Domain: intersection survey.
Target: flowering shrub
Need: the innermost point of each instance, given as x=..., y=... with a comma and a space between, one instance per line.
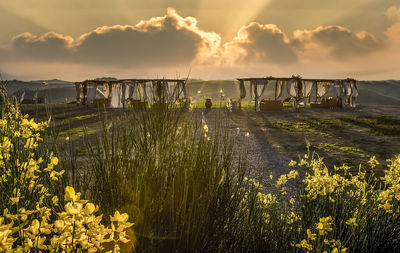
x=29, y=220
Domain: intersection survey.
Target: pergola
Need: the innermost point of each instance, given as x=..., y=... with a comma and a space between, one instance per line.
x=298, y=88
x=117, y=93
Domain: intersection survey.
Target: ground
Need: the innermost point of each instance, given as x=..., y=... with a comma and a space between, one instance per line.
x=348, y=136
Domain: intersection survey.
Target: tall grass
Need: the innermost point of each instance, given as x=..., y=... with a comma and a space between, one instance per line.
x=171, y=174
x=184, y=183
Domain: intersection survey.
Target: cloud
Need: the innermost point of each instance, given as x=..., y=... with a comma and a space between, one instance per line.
x=173, y=43
x=260, y=43
x=167, y=40
x=335, y=42
x=393, y=32
x=48, y=47
x=393, y=13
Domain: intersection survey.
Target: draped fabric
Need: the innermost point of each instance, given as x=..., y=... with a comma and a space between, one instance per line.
x=337, y=88
x=116, y=92
x=127, y=91
x=78, y=93
x=354, y=88
x=91, y=91
x=279, y=88
x=261, y=85
x=123, y=91
x=107, y=90
x=257, y=88
x=242, y=89
x=291, y=87
x=322, y=88
x=307, y=88
x=141, y=90
x=131, y=89
x=136, y=91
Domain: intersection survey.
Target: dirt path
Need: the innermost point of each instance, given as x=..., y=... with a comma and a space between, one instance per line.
x=263, y=157
x=348, y=136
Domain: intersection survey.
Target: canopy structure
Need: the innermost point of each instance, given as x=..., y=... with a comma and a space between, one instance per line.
x=300, y=89
x=116, y=93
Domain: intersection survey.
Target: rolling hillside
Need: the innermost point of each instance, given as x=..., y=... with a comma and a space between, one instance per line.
x=58, y=91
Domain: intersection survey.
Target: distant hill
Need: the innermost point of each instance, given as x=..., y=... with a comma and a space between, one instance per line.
x=58, y=91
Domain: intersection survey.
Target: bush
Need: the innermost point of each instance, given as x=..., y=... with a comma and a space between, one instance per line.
x=29, y=220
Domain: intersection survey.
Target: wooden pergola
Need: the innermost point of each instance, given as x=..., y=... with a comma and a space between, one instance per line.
x=117, y=92
x=256, y=81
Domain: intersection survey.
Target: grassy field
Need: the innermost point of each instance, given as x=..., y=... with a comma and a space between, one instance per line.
x=340, y=136
x=185, y=186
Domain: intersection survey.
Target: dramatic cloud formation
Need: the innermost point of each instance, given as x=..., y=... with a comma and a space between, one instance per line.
x=168, y=40
x=177, y=43
x=260, y=43
x=334, y=42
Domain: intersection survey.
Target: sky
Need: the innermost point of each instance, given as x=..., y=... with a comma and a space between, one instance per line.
x=208, y=39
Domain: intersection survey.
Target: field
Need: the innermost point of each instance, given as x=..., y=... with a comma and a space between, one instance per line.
x=347, y=136
x=199, y=180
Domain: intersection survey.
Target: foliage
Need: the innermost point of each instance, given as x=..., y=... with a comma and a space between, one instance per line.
x=29, y=220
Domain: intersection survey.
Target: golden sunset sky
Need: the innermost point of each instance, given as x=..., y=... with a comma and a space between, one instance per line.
x=82, y=39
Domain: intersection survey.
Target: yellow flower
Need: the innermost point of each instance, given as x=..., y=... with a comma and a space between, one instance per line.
x=121, y=218
x=324, y=225
x=205, y=127
x=54, y=160
x=70, y=194
x=282, y=180
x=293, y=174
x=54, y=199
x=45, y=83
x=304, y=244
x=292, y=163
x=14, y=200
x=89, y=208
x=351, y=222
x=247, y=134
x=67, y=138
x=373, y=162
x=310, y=235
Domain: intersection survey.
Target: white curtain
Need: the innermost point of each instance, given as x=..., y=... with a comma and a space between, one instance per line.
x=279, y=88
x=307, y=88
x=116, y=92
x=337, y=88
x=141, y=88
x=257, y=88
x=107, y=90
x=322, y=88
x=291, y=87
x=91, y=91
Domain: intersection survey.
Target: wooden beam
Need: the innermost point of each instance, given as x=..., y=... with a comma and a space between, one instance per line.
x=290, y=78
x=100, y=82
